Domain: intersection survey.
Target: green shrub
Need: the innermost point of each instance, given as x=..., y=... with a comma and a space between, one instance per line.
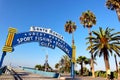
x=77, y=72
x=96, y=73
x=115, y=74
x=100, y=74
x=103, y=74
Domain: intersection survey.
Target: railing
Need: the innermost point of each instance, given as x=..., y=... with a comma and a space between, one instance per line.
x=42, y=73
x=3, y=69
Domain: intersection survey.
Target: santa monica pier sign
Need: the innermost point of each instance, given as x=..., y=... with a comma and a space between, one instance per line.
x=45, y=37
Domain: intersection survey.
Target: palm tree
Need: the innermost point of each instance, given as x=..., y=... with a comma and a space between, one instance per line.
x=88, y=61
x=82, y=60
x=88, y=19
x=104, y=43
x=65, y=62
x=114, y=5
x=57, y=65
x=70, y=27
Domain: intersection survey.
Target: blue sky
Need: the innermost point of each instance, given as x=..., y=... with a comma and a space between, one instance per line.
x=22, y=14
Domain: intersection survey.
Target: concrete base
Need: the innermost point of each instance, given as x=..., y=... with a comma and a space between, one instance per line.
x=69, y=78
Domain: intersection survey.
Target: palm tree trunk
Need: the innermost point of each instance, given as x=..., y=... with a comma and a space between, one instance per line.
x=73, y=38
x=92, y=66
x=116, y=64
x=81, y=69
x=107, y=66
x=118, y=13
x=92, y=59
x=119, y=71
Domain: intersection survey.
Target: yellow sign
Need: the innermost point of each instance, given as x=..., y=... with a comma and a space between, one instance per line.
x=8, y=44
x=74, y=53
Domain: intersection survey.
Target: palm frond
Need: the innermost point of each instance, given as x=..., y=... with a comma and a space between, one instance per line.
x=102, y=33
x=96, y=33
x=116, y=33
x=94, y=49
x=101, y=53
x=96, y=53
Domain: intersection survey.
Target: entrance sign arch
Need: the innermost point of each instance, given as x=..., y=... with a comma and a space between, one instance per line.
x=45, y=37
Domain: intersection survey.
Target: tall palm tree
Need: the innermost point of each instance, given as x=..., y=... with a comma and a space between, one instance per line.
x=82, y=60
x=114, y=5
x=88, y=19
x=104, y=43
x=70, y=27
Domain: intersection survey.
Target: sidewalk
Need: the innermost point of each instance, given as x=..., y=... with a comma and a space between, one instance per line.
x=6, y=77
x=82, y=78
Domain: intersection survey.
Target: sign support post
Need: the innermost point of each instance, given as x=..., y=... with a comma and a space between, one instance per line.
x=2, y=58
x=8, y=44
x=73, y=61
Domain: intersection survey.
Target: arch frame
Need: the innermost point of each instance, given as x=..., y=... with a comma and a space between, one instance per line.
x=44, y=38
